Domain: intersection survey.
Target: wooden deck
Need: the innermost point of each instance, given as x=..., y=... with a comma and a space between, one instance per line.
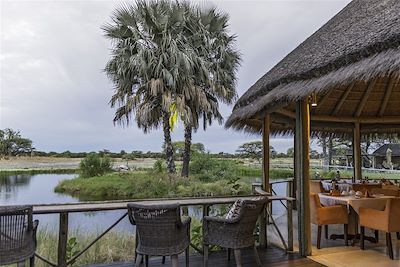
x=272, y=256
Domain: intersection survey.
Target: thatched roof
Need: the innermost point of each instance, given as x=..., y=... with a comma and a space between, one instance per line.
x=355, y=55
x=382, y=150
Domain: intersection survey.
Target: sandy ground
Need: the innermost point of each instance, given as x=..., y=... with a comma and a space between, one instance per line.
x=62, y=163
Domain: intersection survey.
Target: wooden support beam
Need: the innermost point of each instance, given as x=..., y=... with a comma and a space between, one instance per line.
x=266, y=131
x=265, y=183
x=302, y=170
x=323, y=99
x=364, y=99
x=342, y=99
x=341, y=119
x=388, y=92
x=357, y=157
x=62, y=240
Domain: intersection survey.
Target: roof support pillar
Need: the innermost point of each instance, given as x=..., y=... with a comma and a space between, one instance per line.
x=357, y=157
x=265, y=140
x=302, y=172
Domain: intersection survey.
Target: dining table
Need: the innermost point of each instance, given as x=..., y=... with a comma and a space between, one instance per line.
x=353, y=205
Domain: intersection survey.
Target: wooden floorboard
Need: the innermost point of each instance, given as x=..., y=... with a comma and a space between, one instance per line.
x=272, y=256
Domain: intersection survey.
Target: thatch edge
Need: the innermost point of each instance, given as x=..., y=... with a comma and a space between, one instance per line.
x=381, y=64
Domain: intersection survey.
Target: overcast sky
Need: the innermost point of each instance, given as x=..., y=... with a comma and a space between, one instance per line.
x=53, y=89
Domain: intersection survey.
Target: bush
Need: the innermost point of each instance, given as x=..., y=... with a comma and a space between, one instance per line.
x=158, y=166
x=94, y=165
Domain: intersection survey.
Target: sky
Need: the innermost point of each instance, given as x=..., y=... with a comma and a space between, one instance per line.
x=54, y=90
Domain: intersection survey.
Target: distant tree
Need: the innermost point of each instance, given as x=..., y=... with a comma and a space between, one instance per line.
x=13, y=144
x=252, y=150
x=314, y=154
x=290, y=152
x=179, y=148
x=272, y=152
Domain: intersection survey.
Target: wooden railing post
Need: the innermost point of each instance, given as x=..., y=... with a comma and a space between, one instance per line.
x=62, y=240
x=289, y=205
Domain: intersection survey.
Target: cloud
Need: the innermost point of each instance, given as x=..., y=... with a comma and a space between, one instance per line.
x=53, y=89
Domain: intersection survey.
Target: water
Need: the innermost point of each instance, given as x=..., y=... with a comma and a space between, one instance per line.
x=39, y=189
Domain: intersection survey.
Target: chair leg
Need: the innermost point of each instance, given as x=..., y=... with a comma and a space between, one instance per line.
x=257, y=256
x=346, y=237
x=377, y=236
x=32, y=261
x=138, y=260
x=163, y=260
x=205, y=256
x=146, y=260
x=319, y=236
x=187, y=256
x=398, y=235
x=389, y=245
x=238, y=257
x=228, y=252
x=326, y=232
x=362, y=233
x=136, y=245
x=174, y=260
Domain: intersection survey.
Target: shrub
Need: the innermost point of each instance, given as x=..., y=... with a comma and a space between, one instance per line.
x=94, y=165
x=158, y=166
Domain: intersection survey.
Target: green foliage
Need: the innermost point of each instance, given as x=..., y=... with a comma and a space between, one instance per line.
x=72, y=248
x=94, y=165
x=12, y=143
x=254, y=150
x=179, y=147
x=158, y=166
x=113, y=247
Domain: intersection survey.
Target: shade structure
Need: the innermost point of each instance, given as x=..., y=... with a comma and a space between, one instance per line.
x=350, y=68
x=352, y=64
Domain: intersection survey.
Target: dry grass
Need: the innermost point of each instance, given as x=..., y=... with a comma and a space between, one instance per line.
x=114, y=246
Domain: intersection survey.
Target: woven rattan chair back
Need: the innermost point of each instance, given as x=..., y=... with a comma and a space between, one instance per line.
x=159, y=229
x=17, y=237
x=249, y=213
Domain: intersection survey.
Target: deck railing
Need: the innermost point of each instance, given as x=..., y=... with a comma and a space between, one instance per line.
x=63, y=210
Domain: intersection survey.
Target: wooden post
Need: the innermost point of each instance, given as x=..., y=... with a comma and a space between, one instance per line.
x=266, y=124
x=265, y=182
x=290, y=224
x=62, y=240
x=302, y=167
x=357, y=157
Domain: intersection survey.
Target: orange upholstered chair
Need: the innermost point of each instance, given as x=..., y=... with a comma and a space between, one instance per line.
x=320, y=215
x=316, y=186
x=386, y=192
x=387, y=220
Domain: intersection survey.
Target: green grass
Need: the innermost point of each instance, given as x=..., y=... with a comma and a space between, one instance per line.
x=114, y=246
x=348, y=174
x=218, y=178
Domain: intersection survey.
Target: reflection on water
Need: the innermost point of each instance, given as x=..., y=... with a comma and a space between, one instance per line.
x=39, y=189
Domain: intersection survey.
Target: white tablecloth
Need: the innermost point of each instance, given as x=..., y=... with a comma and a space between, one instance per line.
x=378, y=203
x=342, y=186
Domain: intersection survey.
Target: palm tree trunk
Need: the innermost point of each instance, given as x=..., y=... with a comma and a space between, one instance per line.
x=169, y=152
x=186, y=152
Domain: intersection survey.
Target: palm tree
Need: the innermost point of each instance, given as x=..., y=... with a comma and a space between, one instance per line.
x=223, y=61
x=170, y=54
x=150, y=58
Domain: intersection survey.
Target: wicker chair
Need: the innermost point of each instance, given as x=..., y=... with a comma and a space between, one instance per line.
x=17, y=234
x=160, y=232
x=236, y=233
